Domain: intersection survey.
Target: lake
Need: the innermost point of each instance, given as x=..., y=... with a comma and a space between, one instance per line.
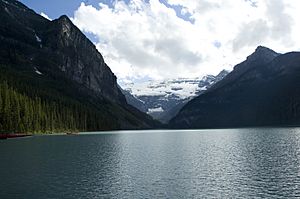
x=230, y=163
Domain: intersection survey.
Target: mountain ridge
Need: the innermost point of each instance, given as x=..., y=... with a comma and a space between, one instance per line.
x=258, y=92
x=60, y=64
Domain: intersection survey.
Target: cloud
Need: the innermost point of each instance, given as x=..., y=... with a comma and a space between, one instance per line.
x=45, y=16
x=193, y=6
x=276, y=25
x=281, y=21
x=148, y=39
x=251, y=34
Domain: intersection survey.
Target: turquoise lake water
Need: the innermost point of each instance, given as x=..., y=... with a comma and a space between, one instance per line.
x=229, y=163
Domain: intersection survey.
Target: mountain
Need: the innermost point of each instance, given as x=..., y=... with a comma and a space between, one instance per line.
x=163, y=99
x=264, y=90
x=55, y=63
x=134, y=101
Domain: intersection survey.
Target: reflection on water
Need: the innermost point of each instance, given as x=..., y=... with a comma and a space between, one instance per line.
x=154, y=164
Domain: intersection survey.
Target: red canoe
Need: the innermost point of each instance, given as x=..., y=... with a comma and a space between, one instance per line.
x=4, y=136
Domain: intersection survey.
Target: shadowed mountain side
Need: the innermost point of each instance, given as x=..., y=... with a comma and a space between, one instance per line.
x=55, y=62
x=264, y=90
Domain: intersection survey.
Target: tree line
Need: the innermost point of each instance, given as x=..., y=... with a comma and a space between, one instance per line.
x=20, y=113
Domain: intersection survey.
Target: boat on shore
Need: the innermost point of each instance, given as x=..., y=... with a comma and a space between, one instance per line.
x=4, y=136
x=72, y=133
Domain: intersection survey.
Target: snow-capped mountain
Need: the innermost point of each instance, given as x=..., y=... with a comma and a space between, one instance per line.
x=159, y=99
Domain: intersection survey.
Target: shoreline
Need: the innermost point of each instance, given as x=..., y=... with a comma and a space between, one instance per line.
x=20, y=135
x=4, y=136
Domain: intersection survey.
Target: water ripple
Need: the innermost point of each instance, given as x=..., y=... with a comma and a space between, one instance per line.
x=232, y=163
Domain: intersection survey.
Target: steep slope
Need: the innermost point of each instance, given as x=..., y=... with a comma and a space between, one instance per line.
x=134, y=101
x=58, y=63
x=261, y=91
x=163, y=99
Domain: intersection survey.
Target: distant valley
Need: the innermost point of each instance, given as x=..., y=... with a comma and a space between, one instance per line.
x=163, y=99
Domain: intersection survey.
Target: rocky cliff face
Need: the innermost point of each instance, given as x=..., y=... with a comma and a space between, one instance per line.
x=261, y=91
x=58, y=54
x=80, y=60
x=68, y=49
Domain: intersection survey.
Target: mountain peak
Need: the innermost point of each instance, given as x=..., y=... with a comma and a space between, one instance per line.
x=261, y=91
x=263, y=49
x=262, y=53
x=64, y=18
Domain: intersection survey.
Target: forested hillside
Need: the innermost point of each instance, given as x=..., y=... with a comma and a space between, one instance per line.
x=20, y=113
x=42, y=111
x=33, y=103
x=53, y=78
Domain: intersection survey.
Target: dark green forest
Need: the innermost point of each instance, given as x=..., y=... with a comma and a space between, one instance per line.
x=20, y=113
x=33, y=107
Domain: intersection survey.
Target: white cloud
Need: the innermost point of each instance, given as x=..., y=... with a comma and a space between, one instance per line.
x=142, y=39
x=45, y=16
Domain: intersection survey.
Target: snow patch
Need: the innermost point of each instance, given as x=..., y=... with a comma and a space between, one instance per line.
x=45, y=16
x=181, y=88
x=155, y=110
x=37, y=71
x=161, y=96
x=37, y=38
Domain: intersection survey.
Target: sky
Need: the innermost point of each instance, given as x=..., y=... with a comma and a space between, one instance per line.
x=162, y=39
